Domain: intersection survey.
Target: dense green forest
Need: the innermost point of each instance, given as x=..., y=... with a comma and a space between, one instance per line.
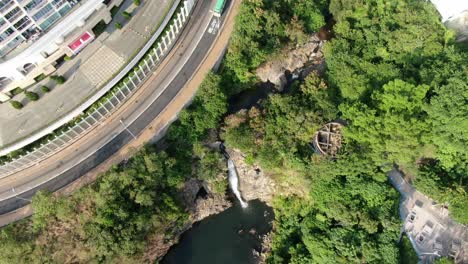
x=109, y=220
x=400, y=82
x=393, y=74
x=117, y=218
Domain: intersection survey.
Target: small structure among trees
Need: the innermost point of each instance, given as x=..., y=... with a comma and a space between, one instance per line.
x=327, y=140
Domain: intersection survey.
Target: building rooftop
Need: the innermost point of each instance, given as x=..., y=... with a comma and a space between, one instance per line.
x=450, y=9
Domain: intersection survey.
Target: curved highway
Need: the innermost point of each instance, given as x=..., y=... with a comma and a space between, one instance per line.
x=145, y=105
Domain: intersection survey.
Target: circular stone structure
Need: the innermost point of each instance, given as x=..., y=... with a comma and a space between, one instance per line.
x=327, y=140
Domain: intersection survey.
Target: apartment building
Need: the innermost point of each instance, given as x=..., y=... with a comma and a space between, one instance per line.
x=23, y=20
x=34, y=34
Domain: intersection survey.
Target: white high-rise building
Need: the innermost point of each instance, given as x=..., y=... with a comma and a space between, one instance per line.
x=22, y=20
x=34, y=34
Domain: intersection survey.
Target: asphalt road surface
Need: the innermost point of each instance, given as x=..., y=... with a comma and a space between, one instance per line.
x=114, y=136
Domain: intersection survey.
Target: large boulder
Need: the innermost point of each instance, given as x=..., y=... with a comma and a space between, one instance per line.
x=294, y=60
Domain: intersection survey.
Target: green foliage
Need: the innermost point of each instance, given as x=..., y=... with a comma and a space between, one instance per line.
x=67, y=58
x=137, y=2
x=241, y=137
x=264, y=27
x=377, y=42
x=211, y=162
x=126, y=15
x=48, y=208
x=31, y=95
x=445, y=186
x=280, y=135
x=16, y=104
x=403, y=83
x=392, y=128
x=40, y=77
x=16, y=91
x=58, y=79
x=443, y=260
x=399, y=83
x=44, y=209
x=204, y=113
x=16, y=243
x=106, y=221
x=311, y=13
x=407, y=253
x=45, y=89
x=350, y=219
x=118, y=25
x=449, y=131
x=101, y=26
x=132, y=200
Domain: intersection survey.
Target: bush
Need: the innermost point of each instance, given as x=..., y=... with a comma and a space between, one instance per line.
x=137, y=2
x=126, y=15
x=67, y=58
x=31, y=95
x=16, y=91
x=118, y=25
x=16, y=104
x=59, y=79
x=45, y=89
x=114, y=11
x=99, y=28
x=40, y=77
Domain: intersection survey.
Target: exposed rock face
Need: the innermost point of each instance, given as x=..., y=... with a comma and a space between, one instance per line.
x=459, y=24
x=201, y=206
x=296, y=59
x=253, y=183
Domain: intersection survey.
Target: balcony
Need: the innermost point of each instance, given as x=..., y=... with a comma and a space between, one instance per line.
x=59, y=3
x=35, y=8
x=14, y=18
x=3, y=26
x=20, y=25
x=6, y=7
x=8, y=38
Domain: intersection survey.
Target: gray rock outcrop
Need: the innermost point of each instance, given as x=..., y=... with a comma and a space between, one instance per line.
x=295, y=60
x=253, y=182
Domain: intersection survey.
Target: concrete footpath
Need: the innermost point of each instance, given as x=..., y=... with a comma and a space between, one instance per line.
x=86, y=72
x=160, y=123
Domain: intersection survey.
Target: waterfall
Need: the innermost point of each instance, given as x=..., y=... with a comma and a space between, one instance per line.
x=234, y=182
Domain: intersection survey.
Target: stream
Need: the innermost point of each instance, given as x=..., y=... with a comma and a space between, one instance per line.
x=232, y=236
x=229, y=237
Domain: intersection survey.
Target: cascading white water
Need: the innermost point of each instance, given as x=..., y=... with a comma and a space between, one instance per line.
x=234, y=182
x=294, y=76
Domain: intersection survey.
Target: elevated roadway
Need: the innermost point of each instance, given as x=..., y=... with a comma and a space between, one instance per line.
x=102, y=142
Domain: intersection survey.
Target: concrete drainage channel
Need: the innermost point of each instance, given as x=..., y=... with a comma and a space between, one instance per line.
x=114, y=94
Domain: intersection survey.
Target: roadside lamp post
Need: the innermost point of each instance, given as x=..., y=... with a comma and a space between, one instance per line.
x=126, y=128
x=18, y=197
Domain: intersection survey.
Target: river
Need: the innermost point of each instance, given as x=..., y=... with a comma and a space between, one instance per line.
x=228, y=237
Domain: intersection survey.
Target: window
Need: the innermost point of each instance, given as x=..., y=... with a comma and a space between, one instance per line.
x=22, y=23
x=34, y=4
x=49, y=21
x=4, y=4
x=14, y=14
x=46, y=10
x=6, y=34
x=65, y=9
